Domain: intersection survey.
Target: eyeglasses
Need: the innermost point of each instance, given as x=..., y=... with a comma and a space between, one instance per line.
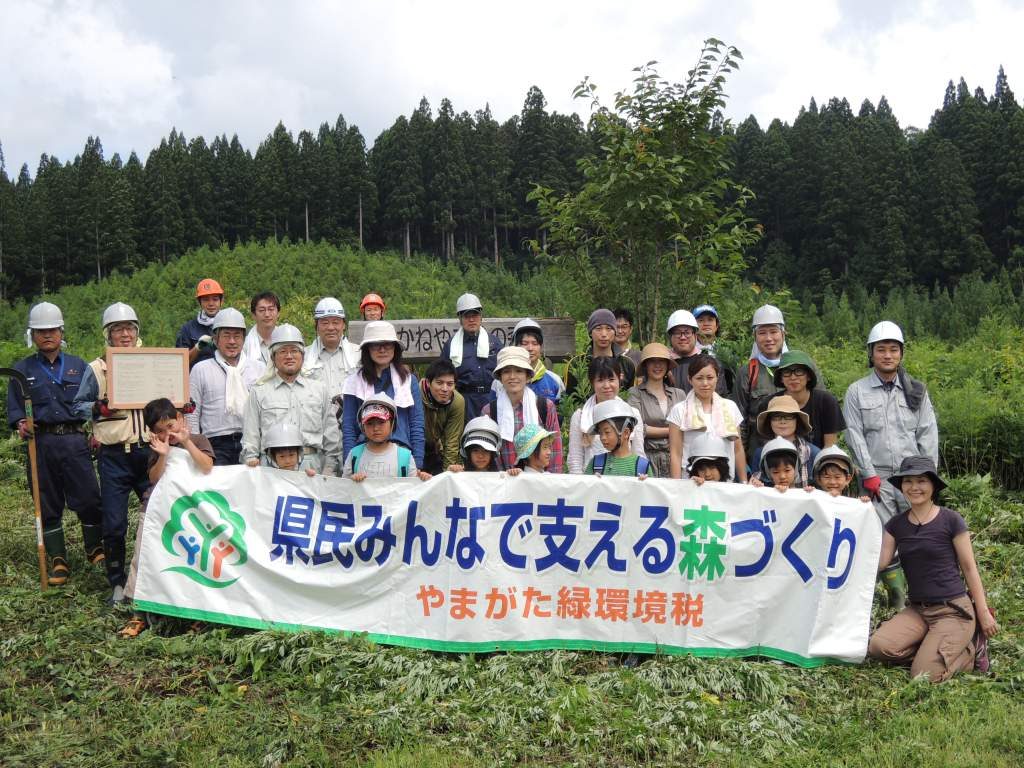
x=793, y=372
x=783, y=417
x=683, y=332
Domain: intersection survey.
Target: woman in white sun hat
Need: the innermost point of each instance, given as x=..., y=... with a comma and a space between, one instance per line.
x=382, y=370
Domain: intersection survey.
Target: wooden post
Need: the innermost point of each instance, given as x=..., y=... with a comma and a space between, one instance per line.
x=33, y=468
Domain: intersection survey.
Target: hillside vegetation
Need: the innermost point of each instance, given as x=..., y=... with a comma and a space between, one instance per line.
x=966, y=345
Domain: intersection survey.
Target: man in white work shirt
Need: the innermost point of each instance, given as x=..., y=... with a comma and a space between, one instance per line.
x=288, y=394
x=220, y=386
x=331, y=357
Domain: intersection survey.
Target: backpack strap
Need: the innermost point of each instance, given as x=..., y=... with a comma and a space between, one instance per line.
x=356, y=453
x=753, y=369
x=542, y=410
x=599, y=461
x=642, y=465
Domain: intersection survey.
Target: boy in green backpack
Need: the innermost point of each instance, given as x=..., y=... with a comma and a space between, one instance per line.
x=614, y=422
x=380, y=456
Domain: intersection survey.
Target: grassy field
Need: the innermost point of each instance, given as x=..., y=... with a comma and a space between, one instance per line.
x=72, y=693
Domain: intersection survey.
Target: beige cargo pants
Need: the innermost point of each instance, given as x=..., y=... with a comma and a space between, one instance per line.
x=935, y=639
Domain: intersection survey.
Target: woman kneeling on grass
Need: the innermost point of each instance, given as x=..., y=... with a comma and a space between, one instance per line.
x=936, y=632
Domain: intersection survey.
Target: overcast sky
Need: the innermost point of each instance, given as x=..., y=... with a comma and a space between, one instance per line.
x=129, y=71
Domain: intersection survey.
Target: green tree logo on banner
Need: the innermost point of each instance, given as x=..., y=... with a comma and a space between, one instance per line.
x=205, y=531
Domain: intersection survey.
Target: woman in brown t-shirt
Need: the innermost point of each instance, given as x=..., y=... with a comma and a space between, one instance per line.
x=936, y=632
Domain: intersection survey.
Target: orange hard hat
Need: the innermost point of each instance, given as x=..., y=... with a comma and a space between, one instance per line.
x=372, y=298
x=208, y=287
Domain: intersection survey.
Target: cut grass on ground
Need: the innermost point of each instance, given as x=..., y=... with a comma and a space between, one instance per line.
x=72, y=693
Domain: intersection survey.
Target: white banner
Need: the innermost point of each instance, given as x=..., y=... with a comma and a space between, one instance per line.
x=482, y=562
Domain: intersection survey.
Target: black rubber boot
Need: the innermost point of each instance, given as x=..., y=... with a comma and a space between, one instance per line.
x=92, y=540
x=57, y=570
x=114, y=551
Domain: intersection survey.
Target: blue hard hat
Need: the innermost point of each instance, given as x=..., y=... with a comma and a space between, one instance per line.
x=705, y=309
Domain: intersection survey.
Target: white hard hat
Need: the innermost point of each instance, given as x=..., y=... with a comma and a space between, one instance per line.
x=482, y=431
x=527, y=325
x=616, y=408
x=467, y=302
x=681, y=317
x=45, y=315
x=283, y=434
x=777, y=445
x=119, y=312
x=378, y=332
x=229, y=318
x=285, y=334
x=328, y=307
x=707, y=446
x=832, y=455
x=379, y=400
x=886, y=330
x=768, y=315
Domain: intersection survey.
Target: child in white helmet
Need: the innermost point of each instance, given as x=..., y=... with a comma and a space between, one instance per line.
x=833, y=472
x=709, y=460
x=479, y=447
x=614, y=422
x=780, y=465
x=283, y=446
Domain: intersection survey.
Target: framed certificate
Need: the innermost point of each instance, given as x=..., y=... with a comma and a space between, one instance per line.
x=136, y=375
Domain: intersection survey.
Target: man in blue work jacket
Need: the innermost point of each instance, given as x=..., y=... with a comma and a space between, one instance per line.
x=62, y=451
x=474, y=353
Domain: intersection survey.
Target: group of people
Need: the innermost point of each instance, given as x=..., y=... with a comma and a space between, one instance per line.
x=685, y=409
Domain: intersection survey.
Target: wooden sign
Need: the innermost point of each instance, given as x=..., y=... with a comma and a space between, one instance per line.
x=136, y=375
x=422, y=340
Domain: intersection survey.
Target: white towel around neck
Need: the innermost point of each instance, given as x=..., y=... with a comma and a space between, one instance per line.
x=587, y=414
x=483, y=346
x=253, y=345
x=506, y=415
x=359, y=387
x=236, y=394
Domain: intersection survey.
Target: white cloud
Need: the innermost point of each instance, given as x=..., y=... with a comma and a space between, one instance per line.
x=131, y=71
x=800, y=50
x=71, y=72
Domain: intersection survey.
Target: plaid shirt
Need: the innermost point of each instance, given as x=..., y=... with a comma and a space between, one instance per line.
x=507, y=452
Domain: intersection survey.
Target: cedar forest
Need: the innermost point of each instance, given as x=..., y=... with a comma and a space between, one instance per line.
x=845, y=199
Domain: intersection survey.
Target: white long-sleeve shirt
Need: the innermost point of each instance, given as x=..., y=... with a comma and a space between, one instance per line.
x=206, y=384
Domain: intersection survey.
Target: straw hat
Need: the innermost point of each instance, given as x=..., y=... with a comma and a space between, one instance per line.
x=513, y=357
x=782, y=404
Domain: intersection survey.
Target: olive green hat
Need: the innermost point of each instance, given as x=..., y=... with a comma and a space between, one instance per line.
x=792, y=359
